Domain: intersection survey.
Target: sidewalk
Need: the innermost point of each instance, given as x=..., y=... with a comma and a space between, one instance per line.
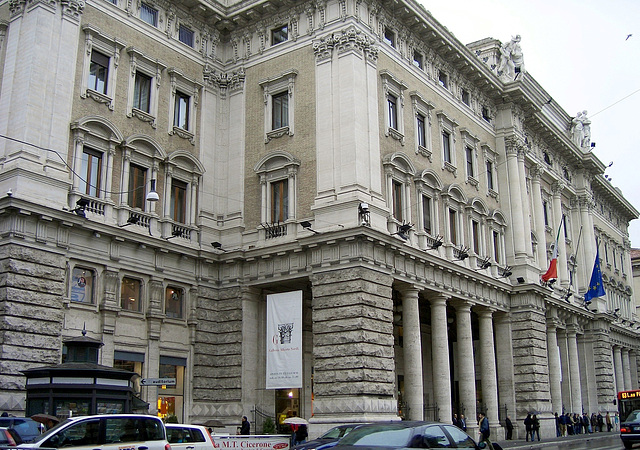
x=594, y=437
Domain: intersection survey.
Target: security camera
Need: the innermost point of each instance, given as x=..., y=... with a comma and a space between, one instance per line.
x=9, y=193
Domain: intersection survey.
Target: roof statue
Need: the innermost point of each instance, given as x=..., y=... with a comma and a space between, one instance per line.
x=511, y=61
x=581, y=130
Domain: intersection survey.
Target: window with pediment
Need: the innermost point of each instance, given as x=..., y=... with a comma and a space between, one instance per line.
x=279, y=105
x=422, y=109
x=278, y=173
x=399, y=174
x=183, y=105
x=100, y=65
x=497, y=227
x=447, y=128
x=144, y=86
x=428, y=187
x=394, y=111
x=477, y=214
x=470, y=144
x=491, y=175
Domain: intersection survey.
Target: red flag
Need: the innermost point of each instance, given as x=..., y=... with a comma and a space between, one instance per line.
x=552, y=271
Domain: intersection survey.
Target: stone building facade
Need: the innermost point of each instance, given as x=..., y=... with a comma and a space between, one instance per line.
x=409, y=185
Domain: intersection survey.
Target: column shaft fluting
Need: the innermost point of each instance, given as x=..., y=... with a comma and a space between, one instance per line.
x=465, y=362
x=574, y=369
x=626, y=369
x=488, y=366
x=617, y=366
x=555, y=376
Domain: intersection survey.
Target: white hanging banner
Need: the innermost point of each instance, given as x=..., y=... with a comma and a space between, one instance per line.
x=284, y=340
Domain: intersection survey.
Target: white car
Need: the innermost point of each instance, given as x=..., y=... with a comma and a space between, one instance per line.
x=189, y=437
x=106, y=432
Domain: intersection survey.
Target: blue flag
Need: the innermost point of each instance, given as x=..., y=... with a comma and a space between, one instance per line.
x=596, y=286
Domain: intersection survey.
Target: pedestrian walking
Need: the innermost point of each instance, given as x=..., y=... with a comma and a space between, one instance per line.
x=483, y=425
x=528, y=427
x=536, y=427
x=509, y=426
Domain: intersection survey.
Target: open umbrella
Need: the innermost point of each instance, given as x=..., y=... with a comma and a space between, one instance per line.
x=45, y=419
x=213, y=423
x=295, y=421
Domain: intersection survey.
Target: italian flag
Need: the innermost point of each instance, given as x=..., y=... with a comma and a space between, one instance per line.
x=552, y=271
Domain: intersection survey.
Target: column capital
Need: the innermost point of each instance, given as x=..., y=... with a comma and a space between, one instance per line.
x=553, y=323
x=461, y=305
x=409, y=290
x=484, y=311
x=438, y=299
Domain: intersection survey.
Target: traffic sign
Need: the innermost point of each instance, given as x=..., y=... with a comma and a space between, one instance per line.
x=157, y=381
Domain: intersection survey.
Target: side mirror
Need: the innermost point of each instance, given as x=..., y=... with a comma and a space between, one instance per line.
x=482, y=445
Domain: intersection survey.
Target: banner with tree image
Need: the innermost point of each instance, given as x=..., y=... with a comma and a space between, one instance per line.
x=284, y=340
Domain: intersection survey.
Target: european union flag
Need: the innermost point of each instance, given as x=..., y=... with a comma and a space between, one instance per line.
x=596, y=287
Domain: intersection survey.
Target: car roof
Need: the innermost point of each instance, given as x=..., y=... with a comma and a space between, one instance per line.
x=124, y=415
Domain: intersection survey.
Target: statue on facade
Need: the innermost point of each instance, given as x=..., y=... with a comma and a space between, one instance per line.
x=581, y=130
x=511, y=61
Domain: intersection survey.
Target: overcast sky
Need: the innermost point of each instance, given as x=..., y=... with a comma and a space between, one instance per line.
x=579, y=52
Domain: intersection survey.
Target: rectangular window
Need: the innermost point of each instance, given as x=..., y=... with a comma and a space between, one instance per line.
x=185, y=35
x=280, y=111
x=178, y=201
x=142, y=92
x=466, y=98
x=469, y=154
x=181, y=111
x=485, y=114
x=390, y=37
x=149, y=14
x=475, y=235
x=279, y=201
x=615, y=259
x=90, y=172
x=417, y=60
x=446, y=146
x=173, y=302
x=453, y=226
x=490, y=176
x=130, y=294
x=397, y=200
x=98, y=72
x=564, y=226
x=422, y=136
x=443, y=79
x=279, y=35
x=137, y=184
x=496, y=247
x=392, y=103
x=82, y=285
x=426, y=214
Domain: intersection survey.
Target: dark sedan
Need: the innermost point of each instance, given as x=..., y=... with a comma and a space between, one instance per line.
x=407, y=435
x=329, y=439
x=630, y=429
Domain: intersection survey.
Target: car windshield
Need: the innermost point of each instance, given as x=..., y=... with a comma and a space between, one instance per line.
x=634, y=416
x=51, y=431
x=390, y=435
x=335, y=433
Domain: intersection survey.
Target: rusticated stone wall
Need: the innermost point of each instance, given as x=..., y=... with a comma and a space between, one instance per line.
x=603, y=364
x=353, y=344
x=531, y=372
x=31, y=317
x=217, y=361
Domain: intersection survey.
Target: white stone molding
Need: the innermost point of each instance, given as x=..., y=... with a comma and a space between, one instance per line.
x=152, y=68
x=284, y=82
x=398, y=169
x=277, y=166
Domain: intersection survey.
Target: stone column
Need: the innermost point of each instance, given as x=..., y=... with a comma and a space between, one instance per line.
x=488, y=365
x=626, y=369
x=515, y=197
x=440, y=352
x=538, y=216
x=617, y=364
x=250, y=346
x=589, y=241
x=412, y=346
x=563, y=275
x=564, y=369
x=526, y=213
x=633, y=362
x=505, y=365
x=465, y=363
x=574, y=368
x=555, y=375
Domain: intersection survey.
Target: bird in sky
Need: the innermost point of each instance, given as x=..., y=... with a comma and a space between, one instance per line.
x=628, y=36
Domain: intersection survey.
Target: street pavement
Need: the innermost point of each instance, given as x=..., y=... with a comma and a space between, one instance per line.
x=599, y=441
